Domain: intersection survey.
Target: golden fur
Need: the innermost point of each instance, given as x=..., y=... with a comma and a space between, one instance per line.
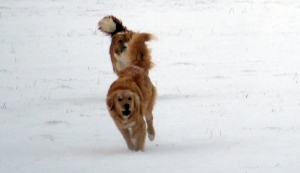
x=129, y=99
x=127, y=47
x=132, y=96
x=130, y=49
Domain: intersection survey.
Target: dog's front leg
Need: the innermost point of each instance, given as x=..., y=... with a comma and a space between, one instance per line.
x=126, y=136
x=139, y=134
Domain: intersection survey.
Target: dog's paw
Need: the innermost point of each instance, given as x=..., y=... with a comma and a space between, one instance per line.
x=151, y=137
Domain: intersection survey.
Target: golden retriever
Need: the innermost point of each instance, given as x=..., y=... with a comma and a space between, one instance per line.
x=127, y=47
x=129, y=99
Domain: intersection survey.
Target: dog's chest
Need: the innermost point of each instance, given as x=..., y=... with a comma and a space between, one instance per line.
x=123, y=61
x=128, y=125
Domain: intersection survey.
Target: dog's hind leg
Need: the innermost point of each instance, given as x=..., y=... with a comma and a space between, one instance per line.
x=150, y=128
x=149, y=116
x=126, y=136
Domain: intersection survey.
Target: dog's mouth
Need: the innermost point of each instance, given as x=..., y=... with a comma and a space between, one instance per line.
x=126, y=113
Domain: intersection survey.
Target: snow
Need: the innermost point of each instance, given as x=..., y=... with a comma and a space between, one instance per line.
x=226, y=74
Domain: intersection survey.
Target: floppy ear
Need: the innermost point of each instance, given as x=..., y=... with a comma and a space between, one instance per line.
x=110, y=102
x=137, y=104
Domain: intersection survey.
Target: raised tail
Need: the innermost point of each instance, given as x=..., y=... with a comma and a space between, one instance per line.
x=111, y=25
x=139, y=52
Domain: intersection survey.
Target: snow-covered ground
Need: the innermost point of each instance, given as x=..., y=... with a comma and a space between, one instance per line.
x=226, y=73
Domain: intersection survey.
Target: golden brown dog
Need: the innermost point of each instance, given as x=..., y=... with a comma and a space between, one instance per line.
x=127, y=47
x=129, y=99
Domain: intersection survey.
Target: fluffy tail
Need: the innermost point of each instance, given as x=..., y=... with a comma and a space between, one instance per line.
x=138, y=51
x=111, y=25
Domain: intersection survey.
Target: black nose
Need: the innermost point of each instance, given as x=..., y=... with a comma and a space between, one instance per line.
x=123, y=49
x=126, y=106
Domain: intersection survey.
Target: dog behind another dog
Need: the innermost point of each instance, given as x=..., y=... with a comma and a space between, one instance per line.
x=127, y=47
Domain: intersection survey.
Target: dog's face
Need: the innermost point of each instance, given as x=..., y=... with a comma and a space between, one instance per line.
x=123, y=103
x=120, y=41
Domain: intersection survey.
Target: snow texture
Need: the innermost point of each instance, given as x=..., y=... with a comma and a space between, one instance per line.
x=226, y=73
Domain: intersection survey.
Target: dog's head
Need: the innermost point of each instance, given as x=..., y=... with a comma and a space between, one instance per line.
x=124, y=103
x=119, y=42
x=118, y=48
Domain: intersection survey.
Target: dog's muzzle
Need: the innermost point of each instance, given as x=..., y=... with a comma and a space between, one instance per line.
x=127, y=111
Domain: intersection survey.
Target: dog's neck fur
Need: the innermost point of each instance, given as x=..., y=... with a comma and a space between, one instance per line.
x=123, y=61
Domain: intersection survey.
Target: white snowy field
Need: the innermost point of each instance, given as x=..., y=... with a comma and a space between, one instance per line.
x=226, y=73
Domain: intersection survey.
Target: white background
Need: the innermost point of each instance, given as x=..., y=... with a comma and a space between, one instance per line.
x=226, y=73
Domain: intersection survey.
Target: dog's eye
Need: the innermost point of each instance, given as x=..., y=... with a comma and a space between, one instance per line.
x=119, y=100
x=120, y=41
x=129, y=98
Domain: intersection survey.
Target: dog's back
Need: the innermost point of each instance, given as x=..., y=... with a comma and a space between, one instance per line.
x=140, y=77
